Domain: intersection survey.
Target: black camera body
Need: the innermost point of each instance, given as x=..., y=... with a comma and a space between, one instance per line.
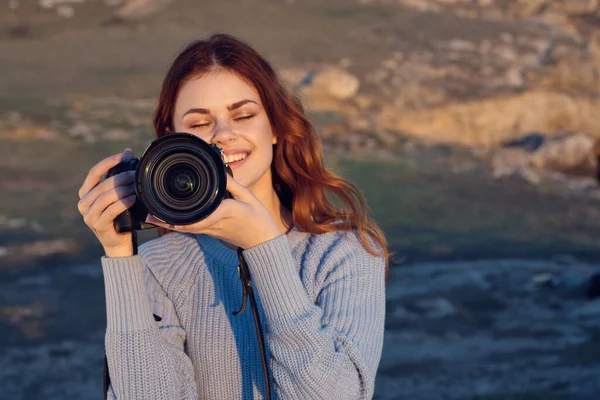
x=180, y=179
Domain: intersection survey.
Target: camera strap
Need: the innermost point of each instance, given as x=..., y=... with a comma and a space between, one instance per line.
x=247, y=292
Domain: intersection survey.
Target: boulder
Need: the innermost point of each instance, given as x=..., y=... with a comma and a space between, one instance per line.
x=140, y=9
x=570, y=154
x=490, y=122
x=323, y=88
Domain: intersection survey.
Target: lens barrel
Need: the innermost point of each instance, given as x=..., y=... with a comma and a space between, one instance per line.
x=181, y=179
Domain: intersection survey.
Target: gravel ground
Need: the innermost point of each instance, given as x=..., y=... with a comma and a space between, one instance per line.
x=498, y=329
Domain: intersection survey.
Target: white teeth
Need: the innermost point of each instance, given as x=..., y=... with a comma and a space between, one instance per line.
x=235, y=157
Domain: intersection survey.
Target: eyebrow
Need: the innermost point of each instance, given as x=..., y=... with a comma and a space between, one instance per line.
x=230, y=108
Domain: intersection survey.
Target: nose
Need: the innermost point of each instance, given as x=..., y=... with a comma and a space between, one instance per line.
x=223, y=133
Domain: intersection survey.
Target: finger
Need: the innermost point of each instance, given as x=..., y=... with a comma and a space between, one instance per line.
x=128, y=154
x=104, y=201
x=97, y=171
x=206, y=225
x=180, y=228
x=106, y=221
x=154, y=221
x=238, y=191
x=123, y=179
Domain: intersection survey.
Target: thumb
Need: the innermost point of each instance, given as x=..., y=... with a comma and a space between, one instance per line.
x=238, y=191
x=127, y=154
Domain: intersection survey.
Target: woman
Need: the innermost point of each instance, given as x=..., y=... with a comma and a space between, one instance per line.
x=317, y=270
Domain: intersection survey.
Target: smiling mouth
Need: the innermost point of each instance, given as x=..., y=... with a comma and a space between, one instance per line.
x=235, y=157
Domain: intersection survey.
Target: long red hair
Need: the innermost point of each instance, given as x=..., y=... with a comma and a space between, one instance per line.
x=300, y=178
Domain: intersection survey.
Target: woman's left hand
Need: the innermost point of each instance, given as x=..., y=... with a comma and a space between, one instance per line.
x=242, y=221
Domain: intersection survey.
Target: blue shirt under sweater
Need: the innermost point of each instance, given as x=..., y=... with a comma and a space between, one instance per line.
x=322, y=306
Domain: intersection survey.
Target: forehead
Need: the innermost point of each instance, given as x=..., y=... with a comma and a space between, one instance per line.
x=215, y=89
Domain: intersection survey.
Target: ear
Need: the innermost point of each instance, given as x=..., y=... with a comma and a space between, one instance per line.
x=274, y=140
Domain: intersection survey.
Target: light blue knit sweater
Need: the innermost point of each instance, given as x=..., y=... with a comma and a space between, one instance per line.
x=322, y=306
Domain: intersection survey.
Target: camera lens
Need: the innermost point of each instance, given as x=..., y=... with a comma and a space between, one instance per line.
x=183, y=179
x=182, y=185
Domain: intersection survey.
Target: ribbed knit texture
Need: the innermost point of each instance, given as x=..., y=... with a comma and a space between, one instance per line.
x=322, y=306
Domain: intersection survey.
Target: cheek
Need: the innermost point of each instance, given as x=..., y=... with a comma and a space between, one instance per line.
x=259, y=134
x=266, y=133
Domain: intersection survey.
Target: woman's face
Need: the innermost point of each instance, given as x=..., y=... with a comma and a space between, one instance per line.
x=221, y=108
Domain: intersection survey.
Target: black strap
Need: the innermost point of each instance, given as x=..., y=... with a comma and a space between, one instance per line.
x=106, y=380
x=244, y=274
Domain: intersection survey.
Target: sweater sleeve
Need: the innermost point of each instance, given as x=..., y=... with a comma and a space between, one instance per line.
x=328, y=348
x=146, y=358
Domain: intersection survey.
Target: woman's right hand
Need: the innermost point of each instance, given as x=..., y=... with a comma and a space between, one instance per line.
x=101, y=201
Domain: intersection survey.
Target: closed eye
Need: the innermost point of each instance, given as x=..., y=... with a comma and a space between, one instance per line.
x=244, y=118
x=199, y=125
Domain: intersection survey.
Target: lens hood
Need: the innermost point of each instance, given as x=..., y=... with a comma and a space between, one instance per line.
x=181, y=179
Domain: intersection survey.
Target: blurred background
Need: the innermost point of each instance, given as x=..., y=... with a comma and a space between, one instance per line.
x=470, y=126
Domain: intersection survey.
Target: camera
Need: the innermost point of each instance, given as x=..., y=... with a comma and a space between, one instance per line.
x=180, y=179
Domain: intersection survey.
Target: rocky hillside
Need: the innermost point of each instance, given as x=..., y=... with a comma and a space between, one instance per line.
x=480, y=73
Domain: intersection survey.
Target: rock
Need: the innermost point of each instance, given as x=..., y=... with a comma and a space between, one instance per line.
x=28, y=133
x=49, y=4
x=46, y=4
x=81, y=130
x=117, y=134
x=378, y=76
x=422, y=5
x=390, y=64
x=336, y=82
x=570, y=154
x=323, y=89
x=65, y=11
x=42, y=248
x=492, y=121
x=461, y=45
x=505, y=162
x=437, y=307
x=140, y=9
x=12, y=223
x=515, y=78
x=545, y=280
x=513, y=162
